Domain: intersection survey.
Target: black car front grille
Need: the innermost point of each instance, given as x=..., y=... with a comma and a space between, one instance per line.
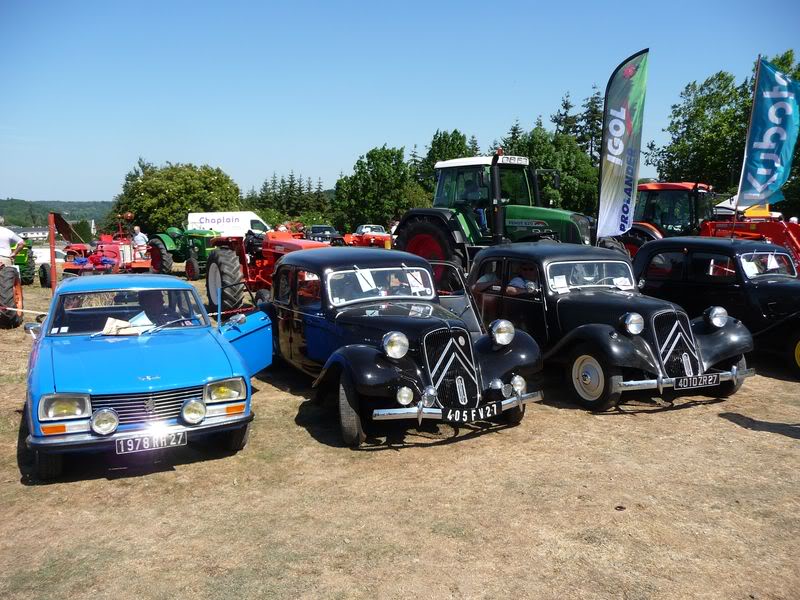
x=676, y=347
x=147, y=407
x=448, y=355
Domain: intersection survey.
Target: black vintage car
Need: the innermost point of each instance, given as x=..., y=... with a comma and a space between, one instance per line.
x=580, y=304
x=324, y=233
x=370, y=326
x=755, y=281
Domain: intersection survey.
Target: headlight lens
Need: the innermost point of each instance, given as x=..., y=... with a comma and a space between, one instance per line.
x=105, y=421
x=395, y=344
x=405, y=396
x=227, y=390
x=519, y=384
x=193, y=411
x=64, y=406
x=717, y=316
x=502, y=332
x=633, y=323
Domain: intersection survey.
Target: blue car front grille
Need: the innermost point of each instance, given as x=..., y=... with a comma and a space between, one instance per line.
x=148, y=406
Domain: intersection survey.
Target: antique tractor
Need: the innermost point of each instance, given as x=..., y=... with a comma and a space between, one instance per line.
x=191, y=247
x=26, y=263
x=237, y=263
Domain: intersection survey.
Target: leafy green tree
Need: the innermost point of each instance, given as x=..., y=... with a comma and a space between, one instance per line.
x=445, y=145
x=83, y=230
x=161, y=197
x=590, y=126
x=381, y=188
x=565, y=121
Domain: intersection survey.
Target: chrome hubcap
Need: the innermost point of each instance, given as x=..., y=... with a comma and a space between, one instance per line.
x=588, y=377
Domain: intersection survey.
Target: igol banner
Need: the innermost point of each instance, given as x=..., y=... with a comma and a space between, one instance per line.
x=622, y=141
x=771, y=137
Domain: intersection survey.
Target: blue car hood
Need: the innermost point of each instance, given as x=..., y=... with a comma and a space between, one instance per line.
x=125, y=364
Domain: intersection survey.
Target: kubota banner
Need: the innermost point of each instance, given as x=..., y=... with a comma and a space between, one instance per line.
x=771, y=137
x=622, y=141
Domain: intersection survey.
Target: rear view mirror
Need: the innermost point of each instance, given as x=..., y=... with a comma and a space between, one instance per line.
x=236, y=319
x=34, y=329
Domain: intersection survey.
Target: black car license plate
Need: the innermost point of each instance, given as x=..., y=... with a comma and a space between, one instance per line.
x=686, y=383
x=145, y=443
x=467, y=415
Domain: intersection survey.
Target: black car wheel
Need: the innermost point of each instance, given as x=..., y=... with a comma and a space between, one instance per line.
x=49, y=466
x=794, y=353
x=349, y=418
x=192, y=269
x=45, y=275
x=160, y=258
x=590, y=378
x=514, y=416
x=728, y=388
x=11, y=297
x=235, y=440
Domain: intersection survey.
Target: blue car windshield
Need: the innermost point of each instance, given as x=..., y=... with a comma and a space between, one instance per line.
x=357, y=285
x=125, y=312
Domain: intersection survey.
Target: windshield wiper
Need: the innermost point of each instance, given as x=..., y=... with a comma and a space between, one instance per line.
x=172, y=322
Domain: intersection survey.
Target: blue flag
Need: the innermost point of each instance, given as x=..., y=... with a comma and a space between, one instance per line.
x=771, y=137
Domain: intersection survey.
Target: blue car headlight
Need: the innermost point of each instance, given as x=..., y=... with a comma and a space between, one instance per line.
x=226, y=390
x=59, y=407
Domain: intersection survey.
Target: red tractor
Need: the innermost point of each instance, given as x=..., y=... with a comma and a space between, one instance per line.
x=112, y=254
x=766, y=228
x=237, y=263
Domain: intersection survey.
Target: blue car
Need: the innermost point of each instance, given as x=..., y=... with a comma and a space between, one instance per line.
x=131, y=363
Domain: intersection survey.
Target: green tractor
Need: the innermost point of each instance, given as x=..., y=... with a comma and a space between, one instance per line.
x=26, y=263
x=481, y=201
x=191, y=247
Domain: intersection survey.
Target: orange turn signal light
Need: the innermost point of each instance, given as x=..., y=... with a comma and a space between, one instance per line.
x=54, y=429
x=236, y=408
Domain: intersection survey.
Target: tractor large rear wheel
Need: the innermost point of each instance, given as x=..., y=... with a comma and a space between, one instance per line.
x=45, y=274
x=160, y=258
x=429, y=240
x=223, y=270
x=27, y=271
x=10, y=298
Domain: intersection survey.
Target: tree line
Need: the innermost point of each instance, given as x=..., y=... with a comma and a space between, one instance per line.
x=707, y=130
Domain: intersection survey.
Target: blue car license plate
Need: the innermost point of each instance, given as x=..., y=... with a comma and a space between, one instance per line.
x=144, y=443
x=468, y=415
x=686, y=383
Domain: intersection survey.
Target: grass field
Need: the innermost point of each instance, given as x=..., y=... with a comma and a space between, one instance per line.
x=695, y=500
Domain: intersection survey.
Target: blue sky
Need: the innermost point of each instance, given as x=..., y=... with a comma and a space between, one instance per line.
x=257, y=87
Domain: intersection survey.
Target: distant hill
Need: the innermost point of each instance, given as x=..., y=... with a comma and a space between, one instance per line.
x=26, y=213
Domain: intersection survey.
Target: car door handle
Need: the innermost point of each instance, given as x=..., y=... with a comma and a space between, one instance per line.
x=495, y=288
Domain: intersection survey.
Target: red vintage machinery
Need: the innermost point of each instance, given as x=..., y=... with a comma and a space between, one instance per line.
x=766, y=228
x=238, y=263
x=112, y=254
x=369, y=235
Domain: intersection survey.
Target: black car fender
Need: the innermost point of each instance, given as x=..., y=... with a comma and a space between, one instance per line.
x=718, y=344
x=617, y=348
x=374, y=374
x=521, y=357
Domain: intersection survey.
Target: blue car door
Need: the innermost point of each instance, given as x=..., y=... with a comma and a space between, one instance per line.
x=251, y=336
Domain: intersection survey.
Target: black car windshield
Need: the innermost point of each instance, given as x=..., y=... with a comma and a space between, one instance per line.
x=357, y=285
x=322, y=229
x=125, y=312
x=762, y=264
x=565, y=276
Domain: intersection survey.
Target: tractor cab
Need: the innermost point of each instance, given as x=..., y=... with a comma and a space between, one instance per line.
x=674, y=208
x=465, y=185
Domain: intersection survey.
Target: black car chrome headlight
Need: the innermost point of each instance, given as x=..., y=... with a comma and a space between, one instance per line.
x=395, y=344
x=716, y=316
x=502, y=332
x=633, y=323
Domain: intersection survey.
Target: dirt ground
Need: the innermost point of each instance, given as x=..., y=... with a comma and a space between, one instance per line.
x=695, y=500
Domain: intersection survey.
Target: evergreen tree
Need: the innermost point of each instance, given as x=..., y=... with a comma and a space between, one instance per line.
x=590, y=126
x=513, y=142
x=474, y=149
x=563, y=119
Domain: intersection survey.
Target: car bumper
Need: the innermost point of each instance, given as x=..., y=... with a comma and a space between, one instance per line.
x=73, y=442
x=660, y=383
x=419, y=412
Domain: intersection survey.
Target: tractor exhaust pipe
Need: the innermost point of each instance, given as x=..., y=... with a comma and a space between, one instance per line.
x=498, y=210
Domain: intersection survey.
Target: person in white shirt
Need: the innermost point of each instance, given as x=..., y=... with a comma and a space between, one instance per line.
x=139, y=241
x=10, y=245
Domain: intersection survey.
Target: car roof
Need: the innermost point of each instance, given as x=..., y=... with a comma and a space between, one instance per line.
x=547, y=251
x=737, y=246
x=139, y=281
x=340, y=257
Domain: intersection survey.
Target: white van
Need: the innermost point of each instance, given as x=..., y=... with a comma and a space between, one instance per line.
x=233, y=223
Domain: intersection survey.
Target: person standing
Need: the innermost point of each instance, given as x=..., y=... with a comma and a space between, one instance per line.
x=10, y=245
x=139, y=241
